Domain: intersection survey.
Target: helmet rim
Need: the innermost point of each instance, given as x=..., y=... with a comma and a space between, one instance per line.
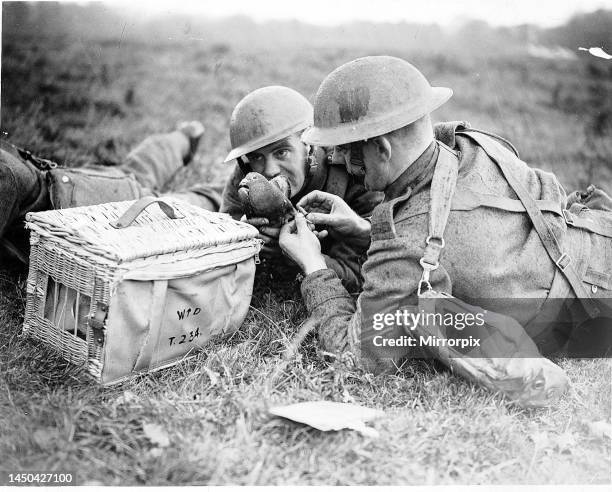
x=266, y=115
x=370, y=127
x=261, y=142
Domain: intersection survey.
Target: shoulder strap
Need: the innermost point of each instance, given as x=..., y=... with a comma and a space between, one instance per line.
x=502, y=140
x=547, y=236
x=337, y=180
x=443, y=186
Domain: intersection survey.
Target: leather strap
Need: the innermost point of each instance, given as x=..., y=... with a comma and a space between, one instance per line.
x=547, y=236
x=151, y=342
x=337, y=180
x=466, y=199
x=443, y=186
x=137, y=208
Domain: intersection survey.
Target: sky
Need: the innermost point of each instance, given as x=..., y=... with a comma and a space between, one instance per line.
x=546, y=13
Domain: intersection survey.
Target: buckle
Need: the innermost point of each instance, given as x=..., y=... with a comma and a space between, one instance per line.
x=420, y=287
x=431, y=238
x=565, y=259
x=429, y=266
x=567, y=216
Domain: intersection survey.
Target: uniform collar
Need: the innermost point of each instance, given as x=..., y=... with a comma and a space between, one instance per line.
x=418, y=174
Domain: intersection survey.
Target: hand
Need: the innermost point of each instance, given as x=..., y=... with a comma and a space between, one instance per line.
x=332, y=211
x=301, y=245
x=269, y=235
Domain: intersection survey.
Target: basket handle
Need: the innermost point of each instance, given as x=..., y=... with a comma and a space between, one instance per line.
x=137, y=207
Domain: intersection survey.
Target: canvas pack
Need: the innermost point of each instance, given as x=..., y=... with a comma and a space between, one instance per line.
x=128, y=287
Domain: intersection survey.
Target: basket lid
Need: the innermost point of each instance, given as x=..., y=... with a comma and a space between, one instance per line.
x=151, y=233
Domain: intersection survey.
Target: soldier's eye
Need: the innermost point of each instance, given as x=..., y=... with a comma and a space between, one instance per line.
x=343, y=148
x=254, y=158
x=282, y=153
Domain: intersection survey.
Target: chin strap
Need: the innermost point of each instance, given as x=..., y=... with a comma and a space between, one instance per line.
x=244, y=166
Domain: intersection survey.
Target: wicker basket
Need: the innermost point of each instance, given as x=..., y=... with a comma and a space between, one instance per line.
x=125, y=287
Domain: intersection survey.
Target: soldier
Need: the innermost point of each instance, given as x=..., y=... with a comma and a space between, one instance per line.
x=462, y=215
x=265, y=131
x=31, y=184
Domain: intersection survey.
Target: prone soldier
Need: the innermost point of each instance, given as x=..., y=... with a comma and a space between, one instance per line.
x=265, y=131
x=464, y=221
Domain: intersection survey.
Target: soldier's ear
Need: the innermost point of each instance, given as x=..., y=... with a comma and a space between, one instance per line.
x=383, y=147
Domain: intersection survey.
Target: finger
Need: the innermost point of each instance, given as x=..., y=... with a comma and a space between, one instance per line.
x=315, y=197
x=287, y=228
x=258, y=221
x=322, y=234
x=264, y=238
x=270, y=250
x=270, y=231
x=323, y=219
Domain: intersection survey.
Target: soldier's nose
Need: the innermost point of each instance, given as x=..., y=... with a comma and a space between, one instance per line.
x=272, y=169
x=338, y=156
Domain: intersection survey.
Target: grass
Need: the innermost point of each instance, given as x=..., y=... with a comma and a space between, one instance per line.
x=83, y=101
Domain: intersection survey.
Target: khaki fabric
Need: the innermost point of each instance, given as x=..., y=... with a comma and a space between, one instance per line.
x=491, y=254
x=152, y=324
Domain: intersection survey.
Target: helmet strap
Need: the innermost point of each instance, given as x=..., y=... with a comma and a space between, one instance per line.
x=245, y=167
x=309, y=162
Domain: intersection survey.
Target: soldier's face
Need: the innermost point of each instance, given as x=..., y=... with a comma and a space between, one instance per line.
x=364, y=159
x=351, y=156
x=287, y=157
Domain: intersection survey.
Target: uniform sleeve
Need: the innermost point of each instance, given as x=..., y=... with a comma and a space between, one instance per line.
x=391, y=275
x=344, y=259
x=230, y=203
x=344, y=256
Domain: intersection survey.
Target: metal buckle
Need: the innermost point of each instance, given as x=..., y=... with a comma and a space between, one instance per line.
x=420, y=287
x=568, y=218
x=431, y=238
x=564, y=256
x=429, y=266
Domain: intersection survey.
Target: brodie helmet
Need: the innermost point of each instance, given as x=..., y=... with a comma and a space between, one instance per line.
x=265, y=116
x=369, y=97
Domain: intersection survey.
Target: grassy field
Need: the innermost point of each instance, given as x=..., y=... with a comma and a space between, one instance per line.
x=79, y=101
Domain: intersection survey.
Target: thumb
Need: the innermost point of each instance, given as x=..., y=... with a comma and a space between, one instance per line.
x=287, y=228
x=302, y=225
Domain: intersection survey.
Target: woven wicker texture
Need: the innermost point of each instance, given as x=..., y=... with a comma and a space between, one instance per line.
x=78, y=258
x=152, y=233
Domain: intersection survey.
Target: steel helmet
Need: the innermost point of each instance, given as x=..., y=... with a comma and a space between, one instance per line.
x=265, y=116
x=368, y=97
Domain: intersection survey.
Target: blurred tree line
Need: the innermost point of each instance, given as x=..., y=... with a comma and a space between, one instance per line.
x=100, y=21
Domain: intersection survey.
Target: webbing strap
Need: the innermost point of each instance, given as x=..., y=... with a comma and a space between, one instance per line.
x=337, y=180
x=151, y=343
x=466, y=199
x=441, y=193
x=547, y=236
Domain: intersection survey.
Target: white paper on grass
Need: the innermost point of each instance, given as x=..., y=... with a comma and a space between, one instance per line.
x=330, y=415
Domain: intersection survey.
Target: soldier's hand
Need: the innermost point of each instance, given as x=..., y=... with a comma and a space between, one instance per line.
x=300, y=244
x=333, y=212
x=269, y=235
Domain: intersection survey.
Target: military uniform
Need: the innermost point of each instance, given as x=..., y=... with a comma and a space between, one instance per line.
x=340, y=256
x=492, y=251
x=30, y=184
